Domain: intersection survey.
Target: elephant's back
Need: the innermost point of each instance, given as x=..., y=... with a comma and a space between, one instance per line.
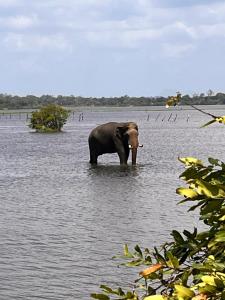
x=103, y=131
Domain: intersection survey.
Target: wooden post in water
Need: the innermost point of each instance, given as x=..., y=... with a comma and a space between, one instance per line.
x=175, y=118
x=170, y=117
x=157, y=117
x=188, y=117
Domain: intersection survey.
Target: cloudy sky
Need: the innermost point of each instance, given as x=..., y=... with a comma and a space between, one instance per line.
x=112, y=47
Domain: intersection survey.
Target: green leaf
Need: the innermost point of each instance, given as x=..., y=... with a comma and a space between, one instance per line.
x=120, y=292
x=158, y=256
x=197, y=205
x=185, y=277
x=177, y=237
x=207, y=289
x=138, y=250
x=188, y=234
x=107, y=289
x=126, y=252
x=210, y=206
x=172, y=261
x=213, y=161
x=223, y=295
x=220, y=236
x=134, y=263
x=189, y=173
x=202, y=235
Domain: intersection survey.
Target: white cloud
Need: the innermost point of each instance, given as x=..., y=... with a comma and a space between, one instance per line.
x=211, y=31
x=23, y=42
x=19, y=22
x=125, y=34
x=177, y=50
x=10, y=3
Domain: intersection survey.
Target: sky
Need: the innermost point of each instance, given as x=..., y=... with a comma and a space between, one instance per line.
x=108, y=48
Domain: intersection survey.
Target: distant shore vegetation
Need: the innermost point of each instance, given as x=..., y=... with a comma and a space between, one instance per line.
x=30, y=101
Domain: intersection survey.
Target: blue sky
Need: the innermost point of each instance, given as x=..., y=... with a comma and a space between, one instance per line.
x=112, y=47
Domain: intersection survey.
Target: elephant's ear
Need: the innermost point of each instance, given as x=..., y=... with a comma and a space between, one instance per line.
x=121, y=130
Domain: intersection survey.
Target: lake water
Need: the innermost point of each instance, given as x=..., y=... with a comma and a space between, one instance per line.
x=61, y=220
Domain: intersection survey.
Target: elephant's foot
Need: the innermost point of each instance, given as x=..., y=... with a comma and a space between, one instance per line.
x=123, y=163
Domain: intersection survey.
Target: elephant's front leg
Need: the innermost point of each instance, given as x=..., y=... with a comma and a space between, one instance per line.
x=122, y=154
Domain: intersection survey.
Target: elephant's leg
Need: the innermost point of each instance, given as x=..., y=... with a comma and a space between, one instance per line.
x=122, y=153
x=93, y=150
x=122, y=156
x=127, y=151
x=93, y=158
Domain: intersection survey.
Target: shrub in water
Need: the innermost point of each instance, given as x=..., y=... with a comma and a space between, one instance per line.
x=50, y=118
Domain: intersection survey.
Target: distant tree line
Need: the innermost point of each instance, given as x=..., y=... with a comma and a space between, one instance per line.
x=30, y=101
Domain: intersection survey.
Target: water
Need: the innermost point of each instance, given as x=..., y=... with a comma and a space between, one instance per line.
x=62, y=220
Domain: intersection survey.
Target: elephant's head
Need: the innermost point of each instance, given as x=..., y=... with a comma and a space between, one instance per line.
x=129, y=132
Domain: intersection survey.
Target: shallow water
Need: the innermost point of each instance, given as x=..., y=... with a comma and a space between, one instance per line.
x=62, y=220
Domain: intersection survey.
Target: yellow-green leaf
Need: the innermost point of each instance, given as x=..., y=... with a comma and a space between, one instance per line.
x=184, y=292
x=222, y=218
x=208, y=189
x=188, y=193
x=221, y=119
x=173, y=100
x=189, y=161
x=155, y=297
x=209, y=280
x=220, y=236
x=172, y=262
x=127, y=252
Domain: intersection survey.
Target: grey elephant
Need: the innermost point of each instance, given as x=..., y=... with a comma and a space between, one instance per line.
x=114, y=137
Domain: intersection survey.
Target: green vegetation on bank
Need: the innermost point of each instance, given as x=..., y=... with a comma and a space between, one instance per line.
x=50, y=118
x=31, y=101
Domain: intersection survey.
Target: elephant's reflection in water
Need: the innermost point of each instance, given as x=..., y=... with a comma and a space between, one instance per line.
x=110, y=171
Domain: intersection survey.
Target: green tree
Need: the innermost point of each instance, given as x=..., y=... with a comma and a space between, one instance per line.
x=49, y=118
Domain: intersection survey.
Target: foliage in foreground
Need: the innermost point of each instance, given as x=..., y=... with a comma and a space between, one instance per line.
x=192, y=265
x=50, y=118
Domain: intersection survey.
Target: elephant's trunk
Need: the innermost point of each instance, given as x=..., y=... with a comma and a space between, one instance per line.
x=133, y=144
x=134, y=155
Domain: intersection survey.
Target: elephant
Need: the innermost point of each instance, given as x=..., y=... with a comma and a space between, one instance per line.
x=114, y=137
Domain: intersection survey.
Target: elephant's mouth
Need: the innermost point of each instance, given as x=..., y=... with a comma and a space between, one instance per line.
x=139, y=145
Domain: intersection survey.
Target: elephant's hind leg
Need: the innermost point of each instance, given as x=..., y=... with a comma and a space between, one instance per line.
x=93, y=159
